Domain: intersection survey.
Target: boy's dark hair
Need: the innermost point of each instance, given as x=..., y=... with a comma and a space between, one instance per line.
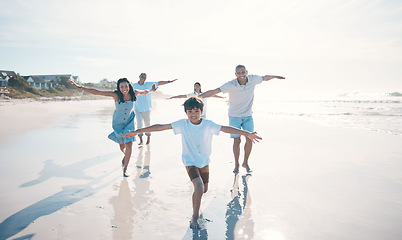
x=192, y=103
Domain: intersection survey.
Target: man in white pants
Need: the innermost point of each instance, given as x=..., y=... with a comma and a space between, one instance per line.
x=143, y=104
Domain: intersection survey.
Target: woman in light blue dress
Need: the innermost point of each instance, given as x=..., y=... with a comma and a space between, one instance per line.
x=123, y=116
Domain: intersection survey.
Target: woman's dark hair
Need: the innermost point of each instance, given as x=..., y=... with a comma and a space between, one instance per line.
x=192, y=103
x=199, y=84
x=120, y=94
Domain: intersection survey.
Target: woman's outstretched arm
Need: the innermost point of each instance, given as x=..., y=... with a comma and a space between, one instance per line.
x=94, y=91
x=178, y=96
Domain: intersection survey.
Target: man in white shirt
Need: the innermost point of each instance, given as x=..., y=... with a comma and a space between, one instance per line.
x=241, y=98
x=143, y=104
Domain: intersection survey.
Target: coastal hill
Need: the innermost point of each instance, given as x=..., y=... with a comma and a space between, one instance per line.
x=19, y=88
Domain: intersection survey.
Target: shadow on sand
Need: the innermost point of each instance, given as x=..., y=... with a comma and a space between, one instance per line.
x=67, y=196
x=75, y=170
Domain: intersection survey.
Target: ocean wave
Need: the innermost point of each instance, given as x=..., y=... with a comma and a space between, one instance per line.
x=382, y=116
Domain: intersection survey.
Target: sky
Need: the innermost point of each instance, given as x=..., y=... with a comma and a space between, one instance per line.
x=318, y=45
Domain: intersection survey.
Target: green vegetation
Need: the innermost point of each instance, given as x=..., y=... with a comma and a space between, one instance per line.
x=396, y=94
x=64, y=82
x=52, y=92
x=19, y=88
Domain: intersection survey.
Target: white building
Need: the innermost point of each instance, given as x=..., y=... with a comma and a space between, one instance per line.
x=48, y=81
x=38, y=82
x=104, y=83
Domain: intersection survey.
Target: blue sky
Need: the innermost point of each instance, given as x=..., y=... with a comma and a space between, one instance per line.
x=319, y=46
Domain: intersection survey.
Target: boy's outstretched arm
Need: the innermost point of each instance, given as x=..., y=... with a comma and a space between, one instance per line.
x=269, y=77
x=210, y=93
x=251, y=135
x=153, y=128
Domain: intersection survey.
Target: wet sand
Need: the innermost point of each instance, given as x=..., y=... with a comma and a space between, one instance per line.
x=61, y=179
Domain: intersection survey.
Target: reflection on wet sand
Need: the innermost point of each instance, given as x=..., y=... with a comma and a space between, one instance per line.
x=143, y=195
x=144, y=162
x=239, y=223
x=132, y=207
x=200, y=234
x=122, y=222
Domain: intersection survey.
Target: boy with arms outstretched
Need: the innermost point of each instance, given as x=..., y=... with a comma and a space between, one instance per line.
x=196, y=144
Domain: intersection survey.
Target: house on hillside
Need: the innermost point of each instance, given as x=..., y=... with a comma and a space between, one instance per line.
x=48, y=81
x=3, y=82
x=54, y=78
x=104, y=83
x=76, y=78
x=5, y=76
x=38, y=82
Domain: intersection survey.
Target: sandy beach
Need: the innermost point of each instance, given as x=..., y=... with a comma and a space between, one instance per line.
x=61, y=179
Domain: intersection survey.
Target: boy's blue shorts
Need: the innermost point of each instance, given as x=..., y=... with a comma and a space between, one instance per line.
x=245, y=123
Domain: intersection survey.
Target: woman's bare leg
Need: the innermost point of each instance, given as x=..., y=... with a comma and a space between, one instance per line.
x=127, y=156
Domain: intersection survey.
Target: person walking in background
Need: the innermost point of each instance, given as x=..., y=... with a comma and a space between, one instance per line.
x=241, y=98
x=143, y=104
x=196, y=147
x=197, y=91
x=123, y=116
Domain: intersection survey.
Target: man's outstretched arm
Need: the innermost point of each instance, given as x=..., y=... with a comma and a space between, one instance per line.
x=160, y=83
x=269, y=77
x=210, y=93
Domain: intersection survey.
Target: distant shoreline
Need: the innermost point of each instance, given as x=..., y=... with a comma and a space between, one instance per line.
x=54, y=99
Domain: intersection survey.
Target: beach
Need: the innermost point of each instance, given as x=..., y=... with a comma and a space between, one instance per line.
x=61, y=179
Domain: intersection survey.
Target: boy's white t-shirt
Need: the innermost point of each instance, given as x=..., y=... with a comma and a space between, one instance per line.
x=241, y=97
x=196, y=140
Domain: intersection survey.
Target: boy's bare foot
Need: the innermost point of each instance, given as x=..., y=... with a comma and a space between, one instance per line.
x=148, y=140
x=140, y=143
x=247, y=168
x=194, y=223
x=236, y=169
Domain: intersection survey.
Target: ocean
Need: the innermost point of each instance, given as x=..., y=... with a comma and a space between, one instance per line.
x=375, y=111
